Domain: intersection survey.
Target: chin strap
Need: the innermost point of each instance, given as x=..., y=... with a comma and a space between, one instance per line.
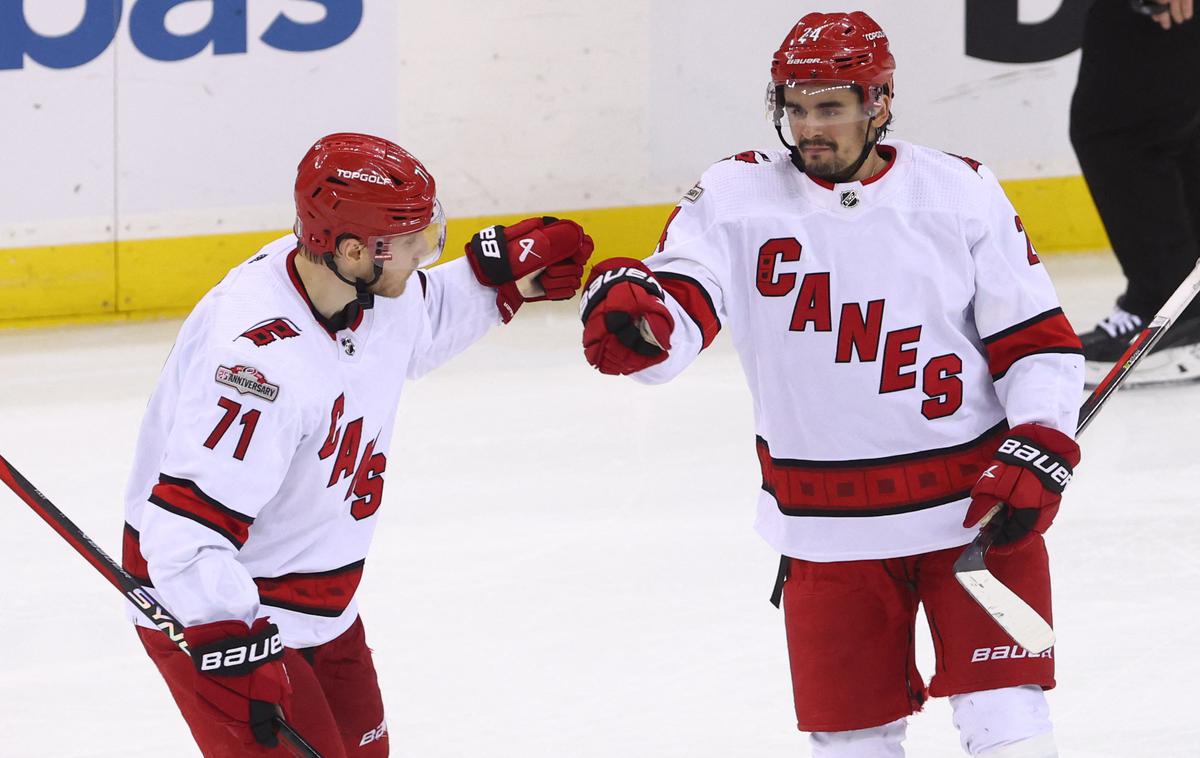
x=852, y=169
x=364, y=298
x=869, y=143
x=797, y=159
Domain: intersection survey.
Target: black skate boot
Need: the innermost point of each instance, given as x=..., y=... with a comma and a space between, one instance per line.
x=1175, y=359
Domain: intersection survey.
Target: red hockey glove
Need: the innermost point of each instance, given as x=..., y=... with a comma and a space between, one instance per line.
x=1023, y=485
x=241, y=675
x=503, y=256
x=626, y=324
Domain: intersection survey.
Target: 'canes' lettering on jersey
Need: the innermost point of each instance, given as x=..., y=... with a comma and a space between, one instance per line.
x=859, y=334
x=917, y=311
x=367, y=482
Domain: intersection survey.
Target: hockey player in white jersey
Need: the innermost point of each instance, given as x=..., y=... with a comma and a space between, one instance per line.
x=261, y=463
x=906, y=352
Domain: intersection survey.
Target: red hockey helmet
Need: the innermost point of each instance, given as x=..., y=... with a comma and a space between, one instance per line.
x=836, y=47
x=367, y=187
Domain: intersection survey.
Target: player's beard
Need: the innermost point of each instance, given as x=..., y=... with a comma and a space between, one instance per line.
x=826, y=165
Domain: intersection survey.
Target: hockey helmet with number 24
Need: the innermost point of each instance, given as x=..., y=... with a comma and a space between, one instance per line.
x=372, y=189
x=834, y=49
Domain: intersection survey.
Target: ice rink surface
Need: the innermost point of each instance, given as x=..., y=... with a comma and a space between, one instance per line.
x=565, y=564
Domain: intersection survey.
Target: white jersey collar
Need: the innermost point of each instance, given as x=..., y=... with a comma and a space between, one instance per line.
x=850, y=196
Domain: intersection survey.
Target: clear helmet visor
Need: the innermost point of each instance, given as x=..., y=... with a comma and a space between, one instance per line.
x=412, y=249
x=817, y=103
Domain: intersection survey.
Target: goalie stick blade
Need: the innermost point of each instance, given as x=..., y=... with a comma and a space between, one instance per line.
x=1016, y=617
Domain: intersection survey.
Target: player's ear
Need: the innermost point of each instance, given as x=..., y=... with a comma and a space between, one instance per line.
x=884, y=112
x=350, y=247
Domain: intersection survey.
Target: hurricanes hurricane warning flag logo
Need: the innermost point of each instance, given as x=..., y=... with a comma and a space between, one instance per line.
x=266, y=332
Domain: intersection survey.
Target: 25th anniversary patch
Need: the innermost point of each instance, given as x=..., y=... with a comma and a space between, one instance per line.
x=247, y=380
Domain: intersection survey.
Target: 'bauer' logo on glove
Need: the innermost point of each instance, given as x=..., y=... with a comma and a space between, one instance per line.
x=1019, y=493
x=1053, y=470
x=239, y=656
x=600, y=285
x=626, y=324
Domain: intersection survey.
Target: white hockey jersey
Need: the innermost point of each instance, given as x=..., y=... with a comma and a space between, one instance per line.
x=261, y=462
x=891, y=331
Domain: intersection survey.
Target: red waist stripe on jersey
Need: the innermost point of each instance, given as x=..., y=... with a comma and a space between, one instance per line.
x=695, y=300
x=326, y=593
x=322, y=593
x=1048, y=332
x=183, y=498
x=877, y=486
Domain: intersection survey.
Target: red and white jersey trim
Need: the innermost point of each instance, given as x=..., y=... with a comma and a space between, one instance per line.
x=880, y=486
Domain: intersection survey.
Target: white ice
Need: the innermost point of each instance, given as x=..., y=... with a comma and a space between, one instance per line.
x=565, y=564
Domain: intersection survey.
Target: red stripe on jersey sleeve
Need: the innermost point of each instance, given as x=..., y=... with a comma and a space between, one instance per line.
x=694, y=299
x=327, y=593
x=877, y=486
x=183, y=498
x=1048, y=332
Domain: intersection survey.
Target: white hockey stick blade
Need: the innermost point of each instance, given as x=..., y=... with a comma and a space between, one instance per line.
x=1014, y=615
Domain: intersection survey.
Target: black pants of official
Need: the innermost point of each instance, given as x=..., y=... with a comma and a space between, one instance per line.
x=1135, y=126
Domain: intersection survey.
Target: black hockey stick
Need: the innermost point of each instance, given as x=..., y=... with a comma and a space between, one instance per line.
x=121, y=579
x=1014, y=615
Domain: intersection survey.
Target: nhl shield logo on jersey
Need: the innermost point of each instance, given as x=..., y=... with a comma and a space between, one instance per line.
x=849, y=199
x=247, y=380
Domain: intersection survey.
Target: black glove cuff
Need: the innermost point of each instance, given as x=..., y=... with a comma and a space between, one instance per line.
x=1051, y=469
x=489, y=255
x=601, y=283
x=238, y=656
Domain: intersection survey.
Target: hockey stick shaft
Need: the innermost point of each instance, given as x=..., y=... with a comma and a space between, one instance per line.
x=1015, y=616
x=120, y=579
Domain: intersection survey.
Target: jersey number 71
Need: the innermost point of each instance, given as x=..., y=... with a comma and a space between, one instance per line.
x=248, y=421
